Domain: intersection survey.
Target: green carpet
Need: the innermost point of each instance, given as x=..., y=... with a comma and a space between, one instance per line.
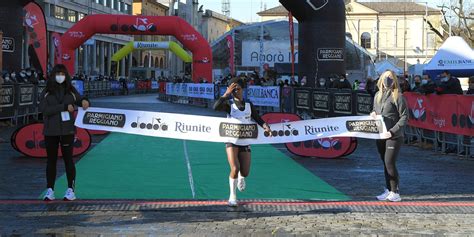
x=126, y=166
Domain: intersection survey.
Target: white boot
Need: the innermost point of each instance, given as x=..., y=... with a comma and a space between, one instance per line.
x=233, y=196
x=241, y=183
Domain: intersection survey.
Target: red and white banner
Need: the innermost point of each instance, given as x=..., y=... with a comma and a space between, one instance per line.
x=35, y=24
x=443, y=113
x=230, y=45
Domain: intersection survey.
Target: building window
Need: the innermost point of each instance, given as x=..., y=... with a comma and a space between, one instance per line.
x=59, y=13
x=365, y=40
x=348, y=35
x=97, y=1
x=431, y=40
x=80, y=16
x=72, y=16
x=126, y=8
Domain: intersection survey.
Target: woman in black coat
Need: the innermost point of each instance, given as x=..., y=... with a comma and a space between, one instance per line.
x=57, y=104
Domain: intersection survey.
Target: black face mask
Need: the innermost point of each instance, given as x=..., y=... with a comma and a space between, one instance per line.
x=388, y=82
x=417, y=83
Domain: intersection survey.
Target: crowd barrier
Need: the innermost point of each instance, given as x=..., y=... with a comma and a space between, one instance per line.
x=442, y=122
x=19, y=101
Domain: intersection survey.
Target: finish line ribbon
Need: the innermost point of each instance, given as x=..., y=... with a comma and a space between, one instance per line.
x=216, y=129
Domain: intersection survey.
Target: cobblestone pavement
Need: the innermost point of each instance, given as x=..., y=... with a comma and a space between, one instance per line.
x=425, y=177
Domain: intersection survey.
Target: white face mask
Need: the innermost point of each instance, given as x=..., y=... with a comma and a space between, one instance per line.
x=424, y=82
x=60, y=78
x=28, y=73
x=321, y=83
x=445, y=79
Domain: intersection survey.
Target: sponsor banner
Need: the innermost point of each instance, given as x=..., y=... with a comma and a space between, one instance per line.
x=26, y=96
x=7, y=93
x=230, y=45
x=8, y=45
x=35, y=23
x=115, y=85
x=443, y=113
x=192, y=90
x=29, y=141
x=275, y=51
x=326, y=54
x=321, y=148
x=215, y=129
x=155, y=85
x=264, y=95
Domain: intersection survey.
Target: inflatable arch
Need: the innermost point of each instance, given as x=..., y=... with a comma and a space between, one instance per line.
x=137, y=25
x=141, y=45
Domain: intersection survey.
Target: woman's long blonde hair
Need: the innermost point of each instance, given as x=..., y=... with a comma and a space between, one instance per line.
x=395, y=86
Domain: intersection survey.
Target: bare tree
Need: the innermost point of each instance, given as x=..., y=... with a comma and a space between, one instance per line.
x=463, y=26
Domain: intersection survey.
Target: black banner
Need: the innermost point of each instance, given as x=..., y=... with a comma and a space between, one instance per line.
x=367, y=126
x=26, y=96
x=342, y=103
x=105, y=119
x=11, y=23
x=364, y=103
x=321, y=100
x=303, y=99
x=8, y=44
x=7, y=95
x=242, y=131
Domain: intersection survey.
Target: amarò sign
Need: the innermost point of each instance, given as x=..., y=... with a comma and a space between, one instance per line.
x=330, y=54
x=8, y=44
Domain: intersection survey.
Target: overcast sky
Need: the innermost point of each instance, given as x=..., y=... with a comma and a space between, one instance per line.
x=246, y=10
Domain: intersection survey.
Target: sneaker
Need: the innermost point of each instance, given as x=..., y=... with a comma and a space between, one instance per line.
x=49, y=196
x=383, y=196
x=393, y=197
x=232, y=203
x=69, y=196
x=241, y=184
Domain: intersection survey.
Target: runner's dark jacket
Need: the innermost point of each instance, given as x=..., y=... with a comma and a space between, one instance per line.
x=394, y=116
x=51, y=105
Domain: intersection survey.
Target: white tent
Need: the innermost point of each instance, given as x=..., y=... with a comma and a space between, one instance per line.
x=385, y=65
x=455, y=55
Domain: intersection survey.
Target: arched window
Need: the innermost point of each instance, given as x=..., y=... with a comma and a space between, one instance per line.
x=349, y=35
x=162, y=63
x=147, y=61
x=134, y=62
x=156, y=62
x=365, y=40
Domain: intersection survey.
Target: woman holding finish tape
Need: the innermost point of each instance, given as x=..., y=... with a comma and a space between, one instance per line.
x=390, y=103
x=57, y=105
x=238, y=156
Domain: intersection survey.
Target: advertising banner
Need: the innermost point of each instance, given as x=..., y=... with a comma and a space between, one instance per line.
x=445, y=113
x=226, y=130
x=275, y=51
x=264, y=95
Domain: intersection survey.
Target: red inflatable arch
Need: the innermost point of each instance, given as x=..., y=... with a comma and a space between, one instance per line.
x=137, y=25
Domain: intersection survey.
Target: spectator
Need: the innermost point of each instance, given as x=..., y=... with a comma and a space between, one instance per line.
x=356, y=85
x=449, y=85
x=322, y=84
x=470, y=91
x=342, y=83
x=417, y=87
x=404, y=84
x=427, y=85
x=370, y=86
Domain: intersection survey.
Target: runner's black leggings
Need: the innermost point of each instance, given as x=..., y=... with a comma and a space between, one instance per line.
x=67, y=144
x=388, y=150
